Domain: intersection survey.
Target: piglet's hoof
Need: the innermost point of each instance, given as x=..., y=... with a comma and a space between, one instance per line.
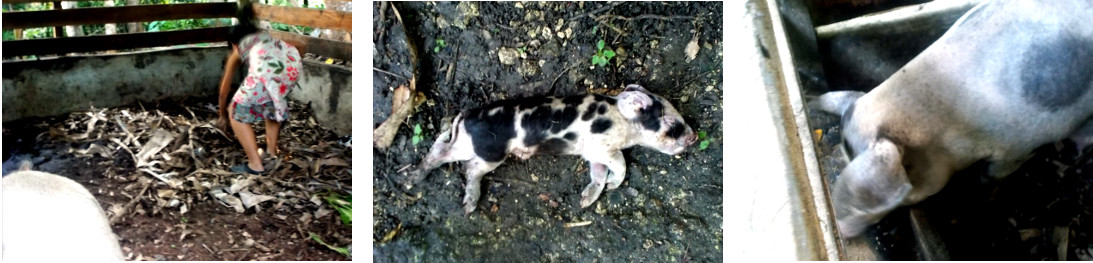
x=468, y=208
x=586, y=201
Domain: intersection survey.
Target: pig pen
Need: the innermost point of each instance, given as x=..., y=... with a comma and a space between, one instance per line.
x=669, y=208
x=1040, y=212
x=136, y=130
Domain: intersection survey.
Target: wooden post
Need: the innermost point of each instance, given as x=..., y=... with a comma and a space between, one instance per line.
x=57, y=29
x=134, y=27
x=110, y=28
x=72, y=30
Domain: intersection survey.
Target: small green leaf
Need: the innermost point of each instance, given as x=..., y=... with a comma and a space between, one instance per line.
x=417, y=129
x=701, y=135
x=609, y=54
x=436, y=49
x=702, y=145
x=278, y=71
x=598, y=60
x=415, y=140
x=343, y=251
x=522, y=49
x=599, y=45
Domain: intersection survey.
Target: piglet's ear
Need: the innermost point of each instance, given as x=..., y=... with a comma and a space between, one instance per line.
x=872, y=185
x=634, y=87
x=631, y=103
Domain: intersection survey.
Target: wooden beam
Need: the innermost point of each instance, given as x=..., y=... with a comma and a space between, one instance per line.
x=311, y=17
x=113, y=42
x=33, y=1
x=121, y=14
x=318, y=46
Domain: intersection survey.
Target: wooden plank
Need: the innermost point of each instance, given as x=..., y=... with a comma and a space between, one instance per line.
x=318, y=46
x=320, y=18
x=113, y=42
x=121, y=14
x=32, y=1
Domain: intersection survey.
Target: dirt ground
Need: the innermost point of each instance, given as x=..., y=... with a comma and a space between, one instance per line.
x=667, y=210
x=180, y=218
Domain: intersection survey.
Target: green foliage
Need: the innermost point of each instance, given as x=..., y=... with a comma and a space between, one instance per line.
x=38, y=32
x=342, y=203
x=342, y=250
x=288, y=28
x=417, y=134
x=705, y=142
x=9, y=35
x=602, y=55
x=439, y=45
x=522, y=49
x=182, y=24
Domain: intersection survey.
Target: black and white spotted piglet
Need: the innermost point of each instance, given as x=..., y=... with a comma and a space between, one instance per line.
x=596, y=127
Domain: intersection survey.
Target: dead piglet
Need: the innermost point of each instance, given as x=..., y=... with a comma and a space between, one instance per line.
x=596, y=127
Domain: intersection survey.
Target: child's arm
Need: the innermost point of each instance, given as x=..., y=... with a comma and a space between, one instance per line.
x=225, y=82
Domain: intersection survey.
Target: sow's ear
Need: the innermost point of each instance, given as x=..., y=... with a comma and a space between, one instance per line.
x=836, y=102
x=872, y=185
x=631, y=102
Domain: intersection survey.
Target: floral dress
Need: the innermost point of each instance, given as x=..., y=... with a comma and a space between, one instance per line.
x=273, y=68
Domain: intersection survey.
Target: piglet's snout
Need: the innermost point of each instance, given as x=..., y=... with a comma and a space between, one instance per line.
x=691, y=139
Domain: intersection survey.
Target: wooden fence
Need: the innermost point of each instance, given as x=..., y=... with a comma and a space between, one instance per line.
x=57, y=18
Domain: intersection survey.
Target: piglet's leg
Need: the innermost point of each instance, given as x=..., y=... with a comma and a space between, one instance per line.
x=1083, y=136
x=617, y=164
x=593, y=190
x=476, y=168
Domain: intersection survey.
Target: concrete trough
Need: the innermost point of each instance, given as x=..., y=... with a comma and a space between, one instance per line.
x=55, y=86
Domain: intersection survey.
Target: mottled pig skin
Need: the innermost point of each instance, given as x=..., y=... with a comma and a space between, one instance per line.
x=52, y=218
x=597, y=127
x=1008, y=77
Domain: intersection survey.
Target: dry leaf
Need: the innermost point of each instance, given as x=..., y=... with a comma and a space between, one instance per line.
x=692, y=49
x=400, y=109
x=249, y=200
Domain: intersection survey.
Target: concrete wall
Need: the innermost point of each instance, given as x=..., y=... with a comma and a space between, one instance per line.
x=329, y=90
x=57, y=86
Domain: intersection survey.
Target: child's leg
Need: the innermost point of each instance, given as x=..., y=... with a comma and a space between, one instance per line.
x=245, y=134
x=273, y=129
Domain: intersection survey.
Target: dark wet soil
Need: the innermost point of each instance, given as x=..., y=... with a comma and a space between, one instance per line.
x=209, y=231
x=667, y=210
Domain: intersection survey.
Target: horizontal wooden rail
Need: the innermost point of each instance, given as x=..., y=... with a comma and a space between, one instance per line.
x=318, y=46
x=120, y=14
x=34, y=1
x=329, y=19
x=113, y=42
